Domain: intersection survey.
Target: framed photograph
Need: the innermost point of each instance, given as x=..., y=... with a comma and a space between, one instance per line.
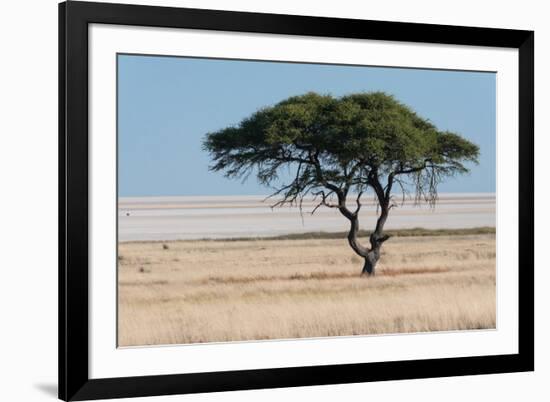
x=258, y=201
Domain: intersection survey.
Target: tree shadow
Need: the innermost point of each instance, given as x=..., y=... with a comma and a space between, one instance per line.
x=48, y=389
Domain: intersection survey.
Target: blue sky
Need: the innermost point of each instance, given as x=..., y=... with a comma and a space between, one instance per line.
x=167, y=104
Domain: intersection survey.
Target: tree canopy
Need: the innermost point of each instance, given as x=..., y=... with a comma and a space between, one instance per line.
x=341, y=145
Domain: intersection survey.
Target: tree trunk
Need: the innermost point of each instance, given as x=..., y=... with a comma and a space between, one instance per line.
x=369, y=268
x=372, y=255
x=376, y=239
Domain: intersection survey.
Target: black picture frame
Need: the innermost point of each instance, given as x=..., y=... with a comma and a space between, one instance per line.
x=74, y=381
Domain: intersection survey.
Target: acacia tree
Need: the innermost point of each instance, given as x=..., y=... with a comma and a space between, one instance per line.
x=337, y=148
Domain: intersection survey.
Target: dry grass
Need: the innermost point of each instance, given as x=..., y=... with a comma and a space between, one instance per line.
x=204, y=291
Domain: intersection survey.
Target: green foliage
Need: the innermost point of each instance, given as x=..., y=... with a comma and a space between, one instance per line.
x=338, y=145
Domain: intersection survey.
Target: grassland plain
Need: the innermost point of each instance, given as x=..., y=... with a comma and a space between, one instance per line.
x=303, y=286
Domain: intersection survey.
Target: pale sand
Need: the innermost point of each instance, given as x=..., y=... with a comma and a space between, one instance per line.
x=172, y=218
x=212, y=291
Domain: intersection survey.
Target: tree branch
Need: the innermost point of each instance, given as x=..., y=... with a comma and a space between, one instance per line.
x=323, y=202
x=375, y=184
x=358, y=202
